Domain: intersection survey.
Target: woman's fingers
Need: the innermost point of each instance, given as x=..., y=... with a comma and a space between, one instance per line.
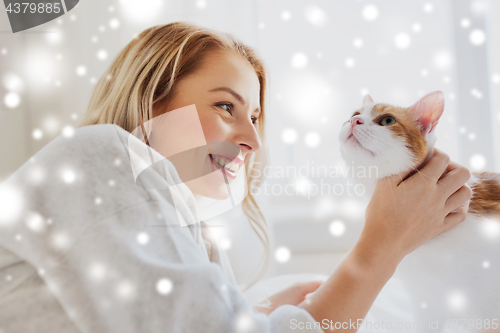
x=455, y=218
x=308, y=287
x=436, y=166
x=454, y=179
x=459, y=198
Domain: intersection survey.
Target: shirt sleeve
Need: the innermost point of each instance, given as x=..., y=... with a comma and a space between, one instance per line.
x=130, y=272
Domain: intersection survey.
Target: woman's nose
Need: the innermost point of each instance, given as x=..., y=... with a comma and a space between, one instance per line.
x=248, y=139
x=356, y=120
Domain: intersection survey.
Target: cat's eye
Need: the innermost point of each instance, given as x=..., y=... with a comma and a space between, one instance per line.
x=355, y=114
x=387, y=121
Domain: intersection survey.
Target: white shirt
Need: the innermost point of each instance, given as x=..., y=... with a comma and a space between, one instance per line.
x=85, y=247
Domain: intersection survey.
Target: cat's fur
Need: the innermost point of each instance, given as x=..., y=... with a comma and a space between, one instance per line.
x=455, y=275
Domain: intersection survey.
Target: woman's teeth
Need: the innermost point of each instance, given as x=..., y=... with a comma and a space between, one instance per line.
x=225, y=163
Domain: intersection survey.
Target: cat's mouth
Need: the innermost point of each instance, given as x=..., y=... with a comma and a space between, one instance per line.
x=355, y=141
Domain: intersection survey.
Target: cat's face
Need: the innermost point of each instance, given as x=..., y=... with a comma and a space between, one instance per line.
x=391, y=138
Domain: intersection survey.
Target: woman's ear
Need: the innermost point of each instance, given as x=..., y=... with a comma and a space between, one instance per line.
x=428, y=110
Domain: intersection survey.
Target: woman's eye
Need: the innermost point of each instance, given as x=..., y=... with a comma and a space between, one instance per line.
x=387, y=121
x=226, y=106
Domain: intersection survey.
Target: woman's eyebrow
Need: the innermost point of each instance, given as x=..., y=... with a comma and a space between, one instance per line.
x=234, y=93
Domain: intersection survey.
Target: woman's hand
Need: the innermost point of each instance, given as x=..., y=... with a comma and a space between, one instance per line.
x=402, y=215
x=293, y=295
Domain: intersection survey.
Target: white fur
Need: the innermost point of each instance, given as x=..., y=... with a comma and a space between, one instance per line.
x=446, y=274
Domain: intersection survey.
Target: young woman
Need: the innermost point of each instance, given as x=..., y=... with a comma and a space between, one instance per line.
x=108, y=236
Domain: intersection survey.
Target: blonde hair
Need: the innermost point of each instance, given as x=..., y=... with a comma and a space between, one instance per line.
x=145, y=72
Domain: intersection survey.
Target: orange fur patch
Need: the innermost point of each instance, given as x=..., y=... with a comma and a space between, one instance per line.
x=485, y=199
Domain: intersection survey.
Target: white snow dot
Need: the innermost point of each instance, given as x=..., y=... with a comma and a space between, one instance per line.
x=81, y=70
x=486, y=264
x=476, y=93
x=225, y=243
x=68, y=131
x=423, y=305
x=102, y=54
x=316, y=15
x=111, y=9
x=286, y=15
x=462, y=130
x=289, y=135
x=13, y=83
x=457, y=300
x=477, y=162
x=495, y=78
x=94, y=39
x=477, y=37
x=402, y=40
x=98, y=201
x=370, y=12
x=61, y=240
x=125, y=290
x=299, y=60
x=201, y=4
x=37, y=134
x=4, y=51
x=358, y=43
x=111, y=182
x=68, y=176
x=18, y=237
x=244, y=323
x=12, y=100
x=282, y=254
x=117, y=162
x=416, y=27
x=114, y=23
x=424, y=72
x=97, y=271
x=465, y=23
x=261, y=25
x=428, y=7
x=490, y=228
x=337, y=228
x=35, y=222
x=472, y=136
x=442, y=60
x=142, y=238
x=164, y=286
x=350, y=62
x=312, y=139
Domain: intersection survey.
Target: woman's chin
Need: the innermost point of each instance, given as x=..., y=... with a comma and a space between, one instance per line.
x=211, y=186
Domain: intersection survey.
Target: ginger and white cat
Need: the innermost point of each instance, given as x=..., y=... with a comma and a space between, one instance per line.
x=455, y=275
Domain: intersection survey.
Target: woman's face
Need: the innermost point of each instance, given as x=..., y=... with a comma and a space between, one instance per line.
x=226, y=93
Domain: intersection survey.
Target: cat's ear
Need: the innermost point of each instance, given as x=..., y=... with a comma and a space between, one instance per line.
x=429, y=109
x=367, y=100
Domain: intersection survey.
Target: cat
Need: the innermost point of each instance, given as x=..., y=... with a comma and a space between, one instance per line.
x=455, y=275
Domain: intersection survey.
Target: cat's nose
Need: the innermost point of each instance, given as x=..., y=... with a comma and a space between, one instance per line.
x=356, y=120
